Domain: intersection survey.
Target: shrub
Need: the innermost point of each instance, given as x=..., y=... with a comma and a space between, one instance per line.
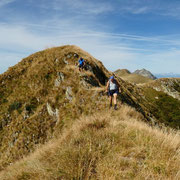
x=15, y=106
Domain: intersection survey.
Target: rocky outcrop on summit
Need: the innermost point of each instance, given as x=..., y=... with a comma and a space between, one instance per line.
x=145, y=73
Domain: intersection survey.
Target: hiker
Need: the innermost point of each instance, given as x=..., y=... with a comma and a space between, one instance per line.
x=112, y=88
x=81, y=64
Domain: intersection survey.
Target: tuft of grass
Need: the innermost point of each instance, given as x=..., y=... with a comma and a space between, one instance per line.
x=15, y=106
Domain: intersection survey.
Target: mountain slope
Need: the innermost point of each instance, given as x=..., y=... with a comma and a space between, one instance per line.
x=122, y=72
x=145, y=73
x=131, y=77
x=45, y=93
x=170, y=86
x=107, y=145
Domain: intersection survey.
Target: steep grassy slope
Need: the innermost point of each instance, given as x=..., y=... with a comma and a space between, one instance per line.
x=44, y=93
x=107, y=145
x=164, y=107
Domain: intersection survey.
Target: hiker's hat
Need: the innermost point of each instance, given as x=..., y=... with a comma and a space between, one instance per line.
x=112, y=77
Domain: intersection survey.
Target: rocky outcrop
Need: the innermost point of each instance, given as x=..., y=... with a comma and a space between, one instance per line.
x=60, y=78
x=69, y=95
x=53, y=113
x=145, y=73
x=88, y=81
x=170, y=86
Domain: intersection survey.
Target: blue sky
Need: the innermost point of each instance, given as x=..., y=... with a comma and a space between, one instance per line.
x=131, y=34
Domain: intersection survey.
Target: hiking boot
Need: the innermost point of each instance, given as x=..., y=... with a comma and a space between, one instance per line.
x=115, y=107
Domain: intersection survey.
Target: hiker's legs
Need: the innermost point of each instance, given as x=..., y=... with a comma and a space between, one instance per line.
x=115, y=98
x=110, y=100
x=79, y=67
x=115, y=101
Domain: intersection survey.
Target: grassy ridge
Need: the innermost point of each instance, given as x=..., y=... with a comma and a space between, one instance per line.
x=108, y=145
x=132, y=78
x=35, y=109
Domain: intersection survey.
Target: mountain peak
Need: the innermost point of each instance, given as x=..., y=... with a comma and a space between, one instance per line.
x=145, y=73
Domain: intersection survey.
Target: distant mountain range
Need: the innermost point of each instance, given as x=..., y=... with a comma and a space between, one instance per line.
x=167, y=75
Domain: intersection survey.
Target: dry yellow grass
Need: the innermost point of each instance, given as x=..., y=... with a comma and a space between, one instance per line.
x=135, y=78
x=106, y=145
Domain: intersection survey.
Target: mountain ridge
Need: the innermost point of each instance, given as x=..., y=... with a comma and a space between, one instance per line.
x=45, y=93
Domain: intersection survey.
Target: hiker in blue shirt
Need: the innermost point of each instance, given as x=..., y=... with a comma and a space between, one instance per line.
x=81, y=64
x=113, y=88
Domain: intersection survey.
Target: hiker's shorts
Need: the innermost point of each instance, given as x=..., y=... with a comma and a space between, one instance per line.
x=81, y=65
x=111, y=92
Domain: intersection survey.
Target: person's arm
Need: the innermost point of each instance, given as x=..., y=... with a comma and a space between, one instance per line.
x=107, y=86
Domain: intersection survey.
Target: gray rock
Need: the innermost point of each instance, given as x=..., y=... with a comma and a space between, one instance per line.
x=69, y=56
x=56, y=60
x=88, y=67
x=59, y=79
x=50, y=110
x=54, y=114
x=90, y=80
x=69, y=93
x=76, y=55
x=65, y=61
x=26, y=115
x=85, y=84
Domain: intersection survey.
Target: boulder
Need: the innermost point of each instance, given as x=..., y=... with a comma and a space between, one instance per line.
x=59, y=79
x=53, y=113
x=69, y=93
x=69, y=56
x=65, y=61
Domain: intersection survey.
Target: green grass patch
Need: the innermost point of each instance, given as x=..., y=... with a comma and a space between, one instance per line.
x=164, y=107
